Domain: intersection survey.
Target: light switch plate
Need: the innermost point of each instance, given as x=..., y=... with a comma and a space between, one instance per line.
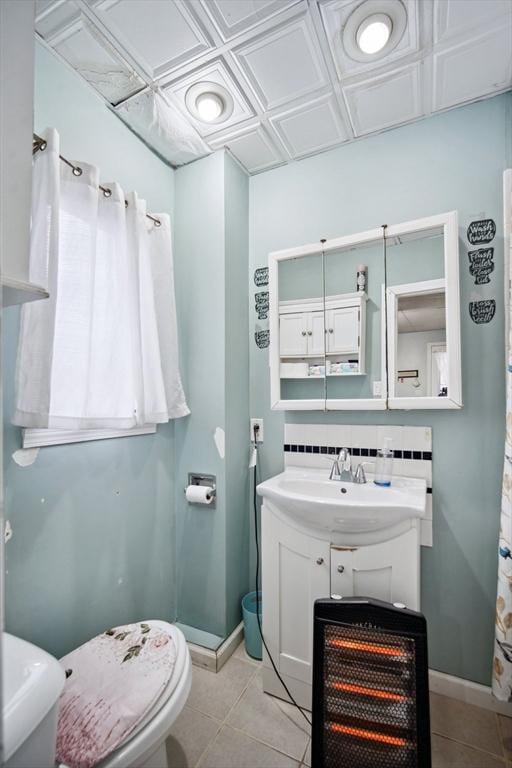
x=377, y=388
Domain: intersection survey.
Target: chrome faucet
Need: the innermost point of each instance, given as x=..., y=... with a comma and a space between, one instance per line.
x=342, y=467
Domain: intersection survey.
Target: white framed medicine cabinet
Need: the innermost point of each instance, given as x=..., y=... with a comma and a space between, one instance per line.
x=393, y=343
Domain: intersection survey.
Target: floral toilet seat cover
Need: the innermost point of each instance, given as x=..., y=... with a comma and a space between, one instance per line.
x=112, y=681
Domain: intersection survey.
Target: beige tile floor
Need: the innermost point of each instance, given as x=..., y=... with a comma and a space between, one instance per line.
x=230, y=723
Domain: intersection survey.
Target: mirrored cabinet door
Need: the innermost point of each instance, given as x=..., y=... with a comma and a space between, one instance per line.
x=300, y=349
x=354, y=280
x=423, y=320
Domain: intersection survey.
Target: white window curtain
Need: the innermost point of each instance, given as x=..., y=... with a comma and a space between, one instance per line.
x=102, y=351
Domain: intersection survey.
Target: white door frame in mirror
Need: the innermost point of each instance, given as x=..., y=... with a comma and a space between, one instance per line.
x=450, y=283
x=318, y=404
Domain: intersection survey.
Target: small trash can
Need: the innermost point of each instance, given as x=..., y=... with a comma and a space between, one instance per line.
x=250, y=604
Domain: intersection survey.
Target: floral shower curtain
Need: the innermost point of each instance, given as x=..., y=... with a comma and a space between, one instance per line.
x=502, y=667
x=102, y=351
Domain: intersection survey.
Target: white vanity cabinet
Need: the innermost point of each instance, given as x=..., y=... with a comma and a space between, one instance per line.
x=298, y=568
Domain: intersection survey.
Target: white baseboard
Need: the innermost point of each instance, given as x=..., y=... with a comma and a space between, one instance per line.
x=214, y=660
x=467, y=691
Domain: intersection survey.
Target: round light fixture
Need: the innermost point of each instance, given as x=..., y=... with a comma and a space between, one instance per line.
x=374, y=32
x=210, y=106
x=209, y=102
x=374, y=29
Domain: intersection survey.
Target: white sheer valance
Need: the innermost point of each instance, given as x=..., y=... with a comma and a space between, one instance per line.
x=102, y=351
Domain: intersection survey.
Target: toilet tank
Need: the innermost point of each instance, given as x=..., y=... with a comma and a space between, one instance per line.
x=32, y=683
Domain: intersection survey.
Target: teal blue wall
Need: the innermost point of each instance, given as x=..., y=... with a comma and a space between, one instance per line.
x=452, y=161
x=93, y=523
x=237, y=388
x=211, y=274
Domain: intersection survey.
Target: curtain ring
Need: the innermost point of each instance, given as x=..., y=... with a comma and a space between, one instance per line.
x=77, y=171
x=107, y=192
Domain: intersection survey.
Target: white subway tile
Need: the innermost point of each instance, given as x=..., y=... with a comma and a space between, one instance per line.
x=426, y=533
x=315, y=434
x=339, y=435
x=428, y=511
x=364, y=436
x=394, y=432
x=417, y=438
x=293, y=433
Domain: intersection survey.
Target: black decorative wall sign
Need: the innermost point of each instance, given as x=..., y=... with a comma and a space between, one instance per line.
x=261, y=276
x=481, y=264
x=261, y=304
x=481, y=231
x=262, y=339
x=482, y=311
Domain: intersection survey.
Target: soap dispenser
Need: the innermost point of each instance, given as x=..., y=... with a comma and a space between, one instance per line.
x=384, y=463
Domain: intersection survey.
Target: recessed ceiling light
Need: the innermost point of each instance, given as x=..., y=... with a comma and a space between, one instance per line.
x=210, y=106
x=374, y=32
x=209, y=102
x=374, y=29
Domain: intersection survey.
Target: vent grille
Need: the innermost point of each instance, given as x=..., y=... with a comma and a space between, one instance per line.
x=366, y=694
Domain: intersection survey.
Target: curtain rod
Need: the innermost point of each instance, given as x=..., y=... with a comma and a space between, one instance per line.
x=39, y=144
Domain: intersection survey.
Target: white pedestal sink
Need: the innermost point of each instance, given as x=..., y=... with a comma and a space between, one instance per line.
x=323, y=537
x=346, y=513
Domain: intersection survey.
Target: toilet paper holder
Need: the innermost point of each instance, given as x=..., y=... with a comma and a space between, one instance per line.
x=198, y=478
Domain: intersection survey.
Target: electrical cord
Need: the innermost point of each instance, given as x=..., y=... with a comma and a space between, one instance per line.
x=256, y=537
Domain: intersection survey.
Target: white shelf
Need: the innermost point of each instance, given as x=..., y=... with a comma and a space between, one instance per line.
x=19, y=292
x=329, y=376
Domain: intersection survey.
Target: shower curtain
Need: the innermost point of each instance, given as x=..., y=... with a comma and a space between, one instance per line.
x=102, y=351
x=502, y=663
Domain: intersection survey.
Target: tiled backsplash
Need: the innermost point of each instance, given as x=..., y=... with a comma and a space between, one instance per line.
x=312, y=445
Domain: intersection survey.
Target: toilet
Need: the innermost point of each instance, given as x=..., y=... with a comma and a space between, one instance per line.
x=31, y=700
x=145, y=746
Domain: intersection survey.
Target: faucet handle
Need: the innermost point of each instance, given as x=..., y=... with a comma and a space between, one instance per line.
x=359, y=475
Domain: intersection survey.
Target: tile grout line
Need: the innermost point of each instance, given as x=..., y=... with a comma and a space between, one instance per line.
x=471, y=746
x=223, y=722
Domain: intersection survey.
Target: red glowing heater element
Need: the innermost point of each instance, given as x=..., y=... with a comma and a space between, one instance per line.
x=370, y=686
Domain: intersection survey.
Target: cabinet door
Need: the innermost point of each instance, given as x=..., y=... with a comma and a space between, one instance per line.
x=388, y=571
x=295, y=570
x=316, y=333
x=293, y=338
x=343, y=329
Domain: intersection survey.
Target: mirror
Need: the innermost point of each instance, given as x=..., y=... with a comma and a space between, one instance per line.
x=301, y=328
x=423, y=361
x=368, y=321
x=354, y=281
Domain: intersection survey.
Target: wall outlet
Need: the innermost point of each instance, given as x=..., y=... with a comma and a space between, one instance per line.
x=377, y=388
x=257, y=423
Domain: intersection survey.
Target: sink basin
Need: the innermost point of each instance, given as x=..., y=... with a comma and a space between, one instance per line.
x=32, y=682
x=353, y=513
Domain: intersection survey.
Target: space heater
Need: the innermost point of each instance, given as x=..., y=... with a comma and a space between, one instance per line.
x=370, y=686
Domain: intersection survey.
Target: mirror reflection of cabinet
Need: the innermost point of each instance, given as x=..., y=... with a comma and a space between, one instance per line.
x=330, y=337
x=422, y=298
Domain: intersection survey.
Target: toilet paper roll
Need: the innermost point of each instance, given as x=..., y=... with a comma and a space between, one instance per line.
x=199, y=494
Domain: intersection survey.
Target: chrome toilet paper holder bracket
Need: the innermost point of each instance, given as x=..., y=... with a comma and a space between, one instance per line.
x=198, y=478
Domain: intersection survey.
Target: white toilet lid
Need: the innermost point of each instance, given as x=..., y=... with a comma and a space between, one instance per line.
x=116, y=683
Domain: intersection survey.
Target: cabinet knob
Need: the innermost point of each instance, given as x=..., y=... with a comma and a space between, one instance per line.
x=341, y=568
x=303, y=333
x=331, y=330
x=310, y=333
x=319, y=561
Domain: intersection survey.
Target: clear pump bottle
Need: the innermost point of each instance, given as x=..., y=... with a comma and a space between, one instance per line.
x=384, y=463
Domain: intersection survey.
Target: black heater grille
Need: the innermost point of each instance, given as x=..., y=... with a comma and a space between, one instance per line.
x=370, y=686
